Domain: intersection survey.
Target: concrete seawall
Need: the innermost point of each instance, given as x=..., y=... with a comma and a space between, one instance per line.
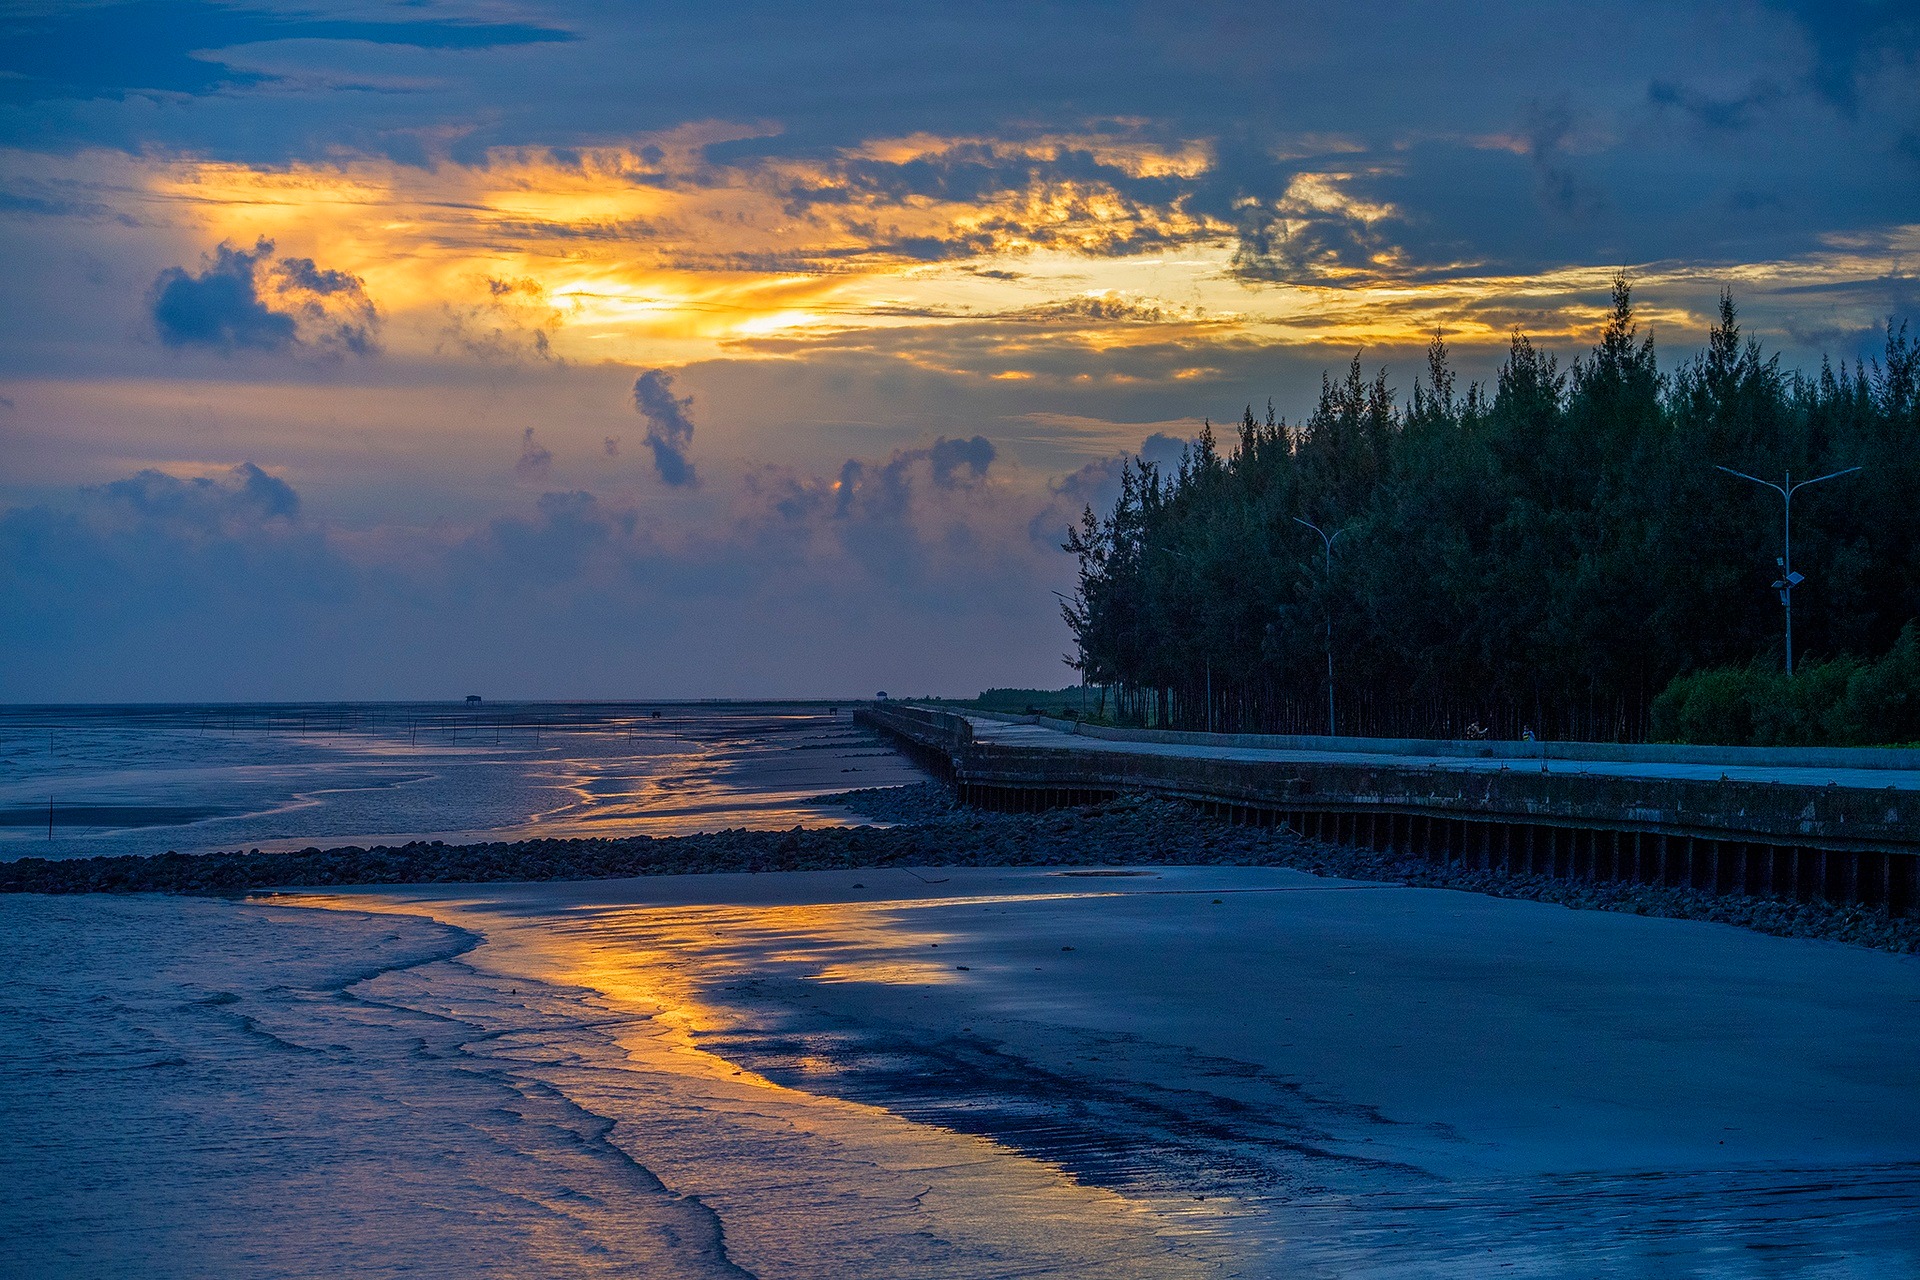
x=1841, y=843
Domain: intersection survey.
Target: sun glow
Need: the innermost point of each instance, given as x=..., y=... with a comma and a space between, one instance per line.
x=653, y=253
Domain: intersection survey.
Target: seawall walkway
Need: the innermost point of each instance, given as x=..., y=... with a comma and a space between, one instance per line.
x=1842, y=825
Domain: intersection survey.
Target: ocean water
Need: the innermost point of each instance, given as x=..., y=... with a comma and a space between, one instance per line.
x=202, y=1088
x=83, y=781
x=207, y=1088
x=959, y=1074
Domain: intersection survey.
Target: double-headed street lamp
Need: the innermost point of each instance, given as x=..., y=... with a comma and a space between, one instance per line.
x=1788, y=579
x=1329, y=545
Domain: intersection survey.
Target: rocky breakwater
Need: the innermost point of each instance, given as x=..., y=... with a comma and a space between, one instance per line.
x=929, y=828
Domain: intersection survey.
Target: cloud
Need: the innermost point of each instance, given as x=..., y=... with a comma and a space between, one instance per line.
x=1318, y=231
x=950, y=457
x=1849, y=36
x=161, y=586
x=568, y=532
x=1550, y=135
x=923, y=529
x=244, y=496
x=158, y=578
x=220, y=307
x=1726, y=115
x=1097, y=485
x=868, y=491
x=886, y=489
x=611, y=446
x=1112, y=307
x=246, y=299
x=110, y=50
x=508, y=323
x=535, y=459
x=669, y=429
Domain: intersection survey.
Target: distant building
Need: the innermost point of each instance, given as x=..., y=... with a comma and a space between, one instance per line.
x=473, y=699
x=882, y=695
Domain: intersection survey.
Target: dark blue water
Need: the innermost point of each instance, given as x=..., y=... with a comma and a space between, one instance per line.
x=80, y=781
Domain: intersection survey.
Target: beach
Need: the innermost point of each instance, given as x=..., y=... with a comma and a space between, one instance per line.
x=1291, y=1075
x=951, y=1072
x=1121, y=1041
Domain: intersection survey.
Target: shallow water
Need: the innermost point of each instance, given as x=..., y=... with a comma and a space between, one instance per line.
x=194, y=1087
x=1222, y=1050
x=957, y=1074
x=76, y=782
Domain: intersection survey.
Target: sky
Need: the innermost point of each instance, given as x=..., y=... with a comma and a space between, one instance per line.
x=574, y=350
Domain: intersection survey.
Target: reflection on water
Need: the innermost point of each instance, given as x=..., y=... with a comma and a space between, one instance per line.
x=846, y=1027
x=805, y=1184
x=81, y=782
x=197, y=1087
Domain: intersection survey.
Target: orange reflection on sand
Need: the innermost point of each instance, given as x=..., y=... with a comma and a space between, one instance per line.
x=807, y=1182
x=833, y=942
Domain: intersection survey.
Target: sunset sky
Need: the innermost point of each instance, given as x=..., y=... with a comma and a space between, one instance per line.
x=604, y=350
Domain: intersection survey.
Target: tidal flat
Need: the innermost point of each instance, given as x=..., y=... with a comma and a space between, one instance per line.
x=953, y=1072
x=917, y=1039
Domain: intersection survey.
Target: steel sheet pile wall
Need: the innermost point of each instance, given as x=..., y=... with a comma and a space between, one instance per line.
x=1843, y=844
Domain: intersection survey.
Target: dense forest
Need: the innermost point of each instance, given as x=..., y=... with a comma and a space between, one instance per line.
x=1551, y=554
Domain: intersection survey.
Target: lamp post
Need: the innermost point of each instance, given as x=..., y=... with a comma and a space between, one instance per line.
x=1329, y=545
x=1788, y=579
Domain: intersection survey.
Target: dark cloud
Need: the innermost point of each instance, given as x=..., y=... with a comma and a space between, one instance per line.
x=569, y=597
x=886, y=489
x=167, y=46
x=220, y=307
x=244, y=496
x=40, y=200
x=866, y=491
x=1097, y=486
x=669, y=429
x=1729, y=115
x=246, y=299
x=1109, y=309
x=1162, y=450
x=960, y=461
x=1550, y=128
x=535, y=459
x=922, y=529
x=611, y=446
x=166, y=582
x=1847, y=36
x=1208, y=77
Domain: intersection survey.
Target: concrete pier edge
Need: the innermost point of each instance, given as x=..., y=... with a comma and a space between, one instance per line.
x=1835, y=843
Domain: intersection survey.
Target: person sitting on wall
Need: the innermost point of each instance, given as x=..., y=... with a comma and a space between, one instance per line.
x=1526, y=735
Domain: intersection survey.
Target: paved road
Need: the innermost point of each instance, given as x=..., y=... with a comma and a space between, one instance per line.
x=1033, y=735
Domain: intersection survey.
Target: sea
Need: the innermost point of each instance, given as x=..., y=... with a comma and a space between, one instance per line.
x=101, y=780
x=857, y=1073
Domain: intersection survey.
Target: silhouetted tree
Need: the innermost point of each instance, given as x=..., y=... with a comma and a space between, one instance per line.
x=1552, y=554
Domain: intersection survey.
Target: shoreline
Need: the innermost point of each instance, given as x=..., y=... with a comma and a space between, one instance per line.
x=929, y=828
x=1276, y=1066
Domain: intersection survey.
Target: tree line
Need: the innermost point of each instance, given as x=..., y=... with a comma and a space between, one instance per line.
x=1548, y=554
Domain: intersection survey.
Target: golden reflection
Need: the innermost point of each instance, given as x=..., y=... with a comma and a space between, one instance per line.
x=607, y=1005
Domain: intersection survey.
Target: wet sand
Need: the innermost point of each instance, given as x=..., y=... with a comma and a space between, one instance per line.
x=1359, y=1079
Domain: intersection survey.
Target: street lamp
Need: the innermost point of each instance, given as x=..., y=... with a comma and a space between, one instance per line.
x=1788, y=579
x=1329, y=544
